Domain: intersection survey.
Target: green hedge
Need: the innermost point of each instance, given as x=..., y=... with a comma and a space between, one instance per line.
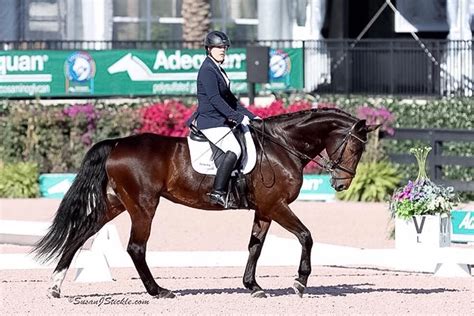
x=454, y=113
x=19, y=180
x=57, y=142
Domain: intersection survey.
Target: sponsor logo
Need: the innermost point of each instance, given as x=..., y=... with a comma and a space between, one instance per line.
x=462, y=225
x=172, y=67
x=467, y=222
x=280, y=64
x=15, y=68
x=79, y=69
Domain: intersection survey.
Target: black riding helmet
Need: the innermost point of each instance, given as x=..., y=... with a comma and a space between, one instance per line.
x=216, y=38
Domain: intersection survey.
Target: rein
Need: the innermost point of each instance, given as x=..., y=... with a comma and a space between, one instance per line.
x=328, y=164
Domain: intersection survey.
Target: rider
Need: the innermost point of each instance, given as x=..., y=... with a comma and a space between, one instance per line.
x=218, y=111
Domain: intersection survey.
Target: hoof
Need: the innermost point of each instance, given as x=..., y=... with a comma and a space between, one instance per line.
x=299, y=288
x=165, y=294
x=54, y=292
x=259, y=294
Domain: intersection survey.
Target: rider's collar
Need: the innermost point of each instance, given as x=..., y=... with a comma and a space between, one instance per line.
x=215, y=61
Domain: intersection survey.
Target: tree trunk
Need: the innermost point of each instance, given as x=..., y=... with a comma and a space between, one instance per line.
x=197, y=20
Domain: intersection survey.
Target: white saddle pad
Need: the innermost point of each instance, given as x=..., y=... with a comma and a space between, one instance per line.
x=201, y=154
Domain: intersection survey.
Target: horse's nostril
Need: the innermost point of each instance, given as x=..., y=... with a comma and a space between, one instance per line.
x=340, y=187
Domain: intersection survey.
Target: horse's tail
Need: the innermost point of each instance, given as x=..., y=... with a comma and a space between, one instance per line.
x=82, y=207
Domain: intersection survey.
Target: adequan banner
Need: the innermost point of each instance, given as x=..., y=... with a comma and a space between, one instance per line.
x=462, y=225
x=132, y=72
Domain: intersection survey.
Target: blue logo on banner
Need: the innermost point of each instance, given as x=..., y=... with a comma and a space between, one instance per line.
x=79, y=70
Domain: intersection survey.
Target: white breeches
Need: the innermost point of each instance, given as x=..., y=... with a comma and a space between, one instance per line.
x=223, y=138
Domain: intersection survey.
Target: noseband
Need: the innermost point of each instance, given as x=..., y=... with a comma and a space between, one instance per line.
x=328, y=164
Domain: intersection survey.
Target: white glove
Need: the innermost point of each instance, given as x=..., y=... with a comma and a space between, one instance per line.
x=257, y=118
x=245, y=121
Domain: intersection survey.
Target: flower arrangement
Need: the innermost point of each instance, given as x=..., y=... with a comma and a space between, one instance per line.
x=422, y=196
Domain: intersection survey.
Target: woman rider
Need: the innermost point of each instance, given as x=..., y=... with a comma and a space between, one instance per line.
x=218, y=111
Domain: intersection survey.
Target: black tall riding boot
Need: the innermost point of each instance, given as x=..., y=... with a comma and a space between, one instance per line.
x=221, y=181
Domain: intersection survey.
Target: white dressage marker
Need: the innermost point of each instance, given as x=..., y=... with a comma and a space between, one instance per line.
x=93, y=264
x=91, y=261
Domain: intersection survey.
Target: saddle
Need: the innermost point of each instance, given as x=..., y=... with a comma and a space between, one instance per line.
x=237, y=187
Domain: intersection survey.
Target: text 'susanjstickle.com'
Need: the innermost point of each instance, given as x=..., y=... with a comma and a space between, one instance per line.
x=106, y=300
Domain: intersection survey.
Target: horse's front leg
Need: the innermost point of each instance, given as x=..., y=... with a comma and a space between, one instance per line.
x=288, y=220
x=259, y=231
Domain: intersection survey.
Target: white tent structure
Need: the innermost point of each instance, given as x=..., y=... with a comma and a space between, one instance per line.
x=303, y=20
x=458, y=73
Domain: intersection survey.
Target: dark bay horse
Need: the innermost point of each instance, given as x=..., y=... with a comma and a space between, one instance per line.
x=132, y=173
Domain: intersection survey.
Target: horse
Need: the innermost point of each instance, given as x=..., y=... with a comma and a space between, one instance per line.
x=132, y=173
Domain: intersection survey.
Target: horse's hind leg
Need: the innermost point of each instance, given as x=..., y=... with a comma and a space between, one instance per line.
x=141, y=226
x=114, y=209
x=259, y=231
x=288, y=220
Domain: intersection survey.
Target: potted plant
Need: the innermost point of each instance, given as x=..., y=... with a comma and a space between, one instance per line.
x=421, y=209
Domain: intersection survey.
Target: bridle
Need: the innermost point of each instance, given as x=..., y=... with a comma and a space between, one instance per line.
x=327, y=164
x=331, y=165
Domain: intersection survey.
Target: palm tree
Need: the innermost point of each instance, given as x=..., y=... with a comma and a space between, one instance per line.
x=196, y=21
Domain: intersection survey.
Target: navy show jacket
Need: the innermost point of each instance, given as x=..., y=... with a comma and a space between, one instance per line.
x=217, y=105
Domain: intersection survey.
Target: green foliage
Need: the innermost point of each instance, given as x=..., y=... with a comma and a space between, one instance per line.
x=40, y=132
x=57, y=136
x=447, y=113
x=432, y=113
x=19, y=180
x=374, y=182
x=116, y=123
x=36, y=134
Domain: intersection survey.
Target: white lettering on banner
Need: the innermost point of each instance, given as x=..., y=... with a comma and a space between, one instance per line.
x=175, y=61
x=160, y=60
x=174, y=87
x=233, y=61
x=179, y=61
x=22, y=63
x=186, y=62
x=467, y=222
x=311, y=184
x=33, y=89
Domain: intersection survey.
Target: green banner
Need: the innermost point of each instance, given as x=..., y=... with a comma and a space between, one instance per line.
x=462, y=223
x=317, y=188
x=132, y=72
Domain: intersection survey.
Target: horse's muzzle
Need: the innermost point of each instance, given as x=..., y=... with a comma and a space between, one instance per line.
x=339, y=185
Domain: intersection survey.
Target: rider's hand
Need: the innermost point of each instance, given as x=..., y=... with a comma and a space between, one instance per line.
x=245, y=121
x=257, y=118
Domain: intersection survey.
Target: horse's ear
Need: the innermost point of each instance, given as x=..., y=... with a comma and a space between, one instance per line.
x=371, y=128
x=360, y=125
x=368, y=128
